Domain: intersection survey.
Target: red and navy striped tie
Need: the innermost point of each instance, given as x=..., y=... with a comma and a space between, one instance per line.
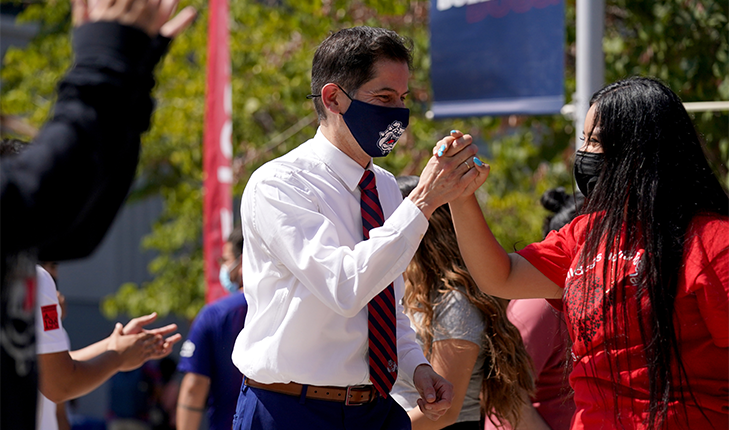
x=381, y=309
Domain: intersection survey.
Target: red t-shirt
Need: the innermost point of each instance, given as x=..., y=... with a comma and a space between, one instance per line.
x=701, y=320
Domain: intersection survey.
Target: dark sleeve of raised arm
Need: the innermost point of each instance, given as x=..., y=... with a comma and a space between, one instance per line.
x=91, y=225
x=61, y=194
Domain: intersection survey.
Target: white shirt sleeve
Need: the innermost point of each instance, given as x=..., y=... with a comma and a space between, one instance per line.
x=286, y=218
x=409, y=352
x=50, y=336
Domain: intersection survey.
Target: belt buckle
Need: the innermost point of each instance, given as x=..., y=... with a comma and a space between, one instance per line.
x=347, y=396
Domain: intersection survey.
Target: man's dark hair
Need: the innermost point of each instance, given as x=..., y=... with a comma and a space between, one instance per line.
x=236, y=239
x=348, y=57
x=10, y=147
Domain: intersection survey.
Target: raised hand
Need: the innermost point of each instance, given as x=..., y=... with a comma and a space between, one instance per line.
x=451, y=145
x=448, y=173
x=150, y=16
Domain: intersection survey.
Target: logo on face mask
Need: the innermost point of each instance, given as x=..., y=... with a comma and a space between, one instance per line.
x=389, y=137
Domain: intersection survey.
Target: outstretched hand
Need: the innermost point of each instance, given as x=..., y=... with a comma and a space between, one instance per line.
x=150, y=16
x=436, y=394
x=134, y=349
x=137, y=325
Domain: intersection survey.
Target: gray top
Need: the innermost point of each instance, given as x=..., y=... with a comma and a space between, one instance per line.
x=455, y=318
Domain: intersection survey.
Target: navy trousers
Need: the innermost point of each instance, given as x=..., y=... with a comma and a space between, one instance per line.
x=260, y=409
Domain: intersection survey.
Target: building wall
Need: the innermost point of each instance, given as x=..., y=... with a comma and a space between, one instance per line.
x=119, y=259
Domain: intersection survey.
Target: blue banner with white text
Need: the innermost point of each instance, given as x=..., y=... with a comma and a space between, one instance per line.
x=497, y=57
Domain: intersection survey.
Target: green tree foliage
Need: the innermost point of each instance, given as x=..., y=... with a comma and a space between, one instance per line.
x=686, y=45
x=272, y=43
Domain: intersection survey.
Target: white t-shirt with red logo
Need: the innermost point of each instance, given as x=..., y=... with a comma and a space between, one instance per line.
x=50, y=338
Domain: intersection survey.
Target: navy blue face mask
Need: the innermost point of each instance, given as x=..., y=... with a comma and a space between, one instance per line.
x=376, y=128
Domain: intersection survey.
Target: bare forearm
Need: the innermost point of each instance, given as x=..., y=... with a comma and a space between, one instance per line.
x=189, y=418
x=486, y=260
x=496, y=273
x=62, y=417
x=62, y=378
x=91, y=351
x=421, y=422
x=191, y=401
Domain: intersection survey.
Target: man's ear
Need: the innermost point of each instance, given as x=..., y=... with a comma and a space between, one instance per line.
x=330, y=96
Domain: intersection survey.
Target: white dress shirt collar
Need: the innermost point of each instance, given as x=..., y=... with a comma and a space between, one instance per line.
x=348, y=171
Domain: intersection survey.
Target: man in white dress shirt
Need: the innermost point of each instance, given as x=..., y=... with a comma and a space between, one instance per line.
x=308, y=275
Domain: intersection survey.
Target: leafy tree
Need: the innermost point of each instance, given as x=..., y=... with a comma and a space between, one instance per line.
x=683, y=43
x=272, y=43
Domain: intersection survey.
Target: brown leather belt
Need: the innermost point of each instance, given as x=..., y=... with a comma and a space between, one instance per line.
x=352, y=395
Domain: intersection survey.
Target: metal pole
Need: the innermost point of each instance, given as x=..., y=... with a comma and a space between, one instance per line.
x=590, y=58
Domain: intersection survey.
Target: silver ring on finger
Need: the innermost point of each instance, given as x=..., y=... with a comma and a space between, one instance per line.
x=467, y=166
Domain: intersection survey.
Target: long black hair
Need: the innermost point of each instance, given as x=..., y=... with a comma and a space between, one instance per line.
x=655, y=178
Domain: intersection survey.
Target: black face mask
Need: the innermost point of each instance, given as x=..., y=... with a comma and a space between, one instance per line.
x=587, y=169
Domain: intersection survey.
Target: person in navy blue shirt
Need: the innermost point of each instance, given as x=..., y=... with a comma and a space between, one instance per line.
x=210, y=376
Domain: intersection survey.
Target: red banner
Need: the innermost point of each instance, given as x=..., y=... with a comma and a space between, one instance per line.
x=218, y=150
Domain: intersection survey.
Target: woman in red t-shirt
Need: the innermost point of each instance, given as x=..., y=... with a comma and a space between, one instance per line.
x=642, y=275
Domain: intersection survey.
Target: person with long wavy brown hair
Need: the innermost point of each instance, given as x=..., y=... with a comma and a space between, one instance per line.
x=465, y=334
